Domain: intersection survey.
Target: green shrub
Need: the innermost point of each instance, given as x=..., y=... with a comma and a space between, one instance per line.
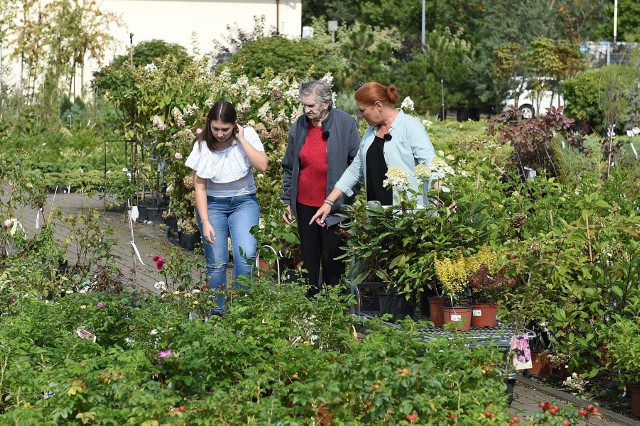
x=601, y=97
x=277, y=357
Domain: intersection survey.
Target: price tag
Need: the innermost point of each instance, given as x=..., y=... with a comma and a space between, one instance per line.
x=477, y=313
x=456, y=317
x=521, y=354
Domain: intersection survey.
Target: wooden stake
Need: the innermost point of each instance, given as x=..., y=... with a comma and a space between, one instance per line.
x=586, y=220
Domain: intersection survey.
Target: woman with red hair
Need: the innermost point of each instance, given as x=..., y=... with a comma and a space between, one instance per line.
x=393, y=139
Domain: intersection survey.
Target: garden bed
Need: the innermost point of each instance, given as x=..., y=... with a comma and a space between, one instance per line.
x=601, y=390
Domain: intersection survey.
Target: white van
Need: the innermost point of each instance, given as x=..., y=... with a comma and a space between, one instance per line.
x=533, y=102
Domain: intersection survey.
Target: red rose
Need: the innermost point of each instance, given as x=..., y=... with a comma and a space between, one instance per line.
x=159, y=261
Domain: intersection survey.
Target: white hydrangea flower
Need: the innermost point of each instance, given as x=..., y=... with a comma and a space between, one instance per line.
x=176, y=113
x=327, y=78
x=191, y=109
x=150, y=67
x=407, y=104
x=422, y=172
x=275, y=83
x=158, y=123
x=440, y=169
x=397, y=177
x=264, y=112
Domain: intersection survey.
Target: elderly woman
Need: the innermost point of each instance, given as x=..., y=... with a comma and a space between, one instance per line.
x=322, y=143
x=393, y=139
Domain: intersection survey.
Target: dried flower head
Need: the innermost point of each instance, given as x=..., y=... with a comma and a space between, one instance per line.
x=188, y=181
x=518, y=220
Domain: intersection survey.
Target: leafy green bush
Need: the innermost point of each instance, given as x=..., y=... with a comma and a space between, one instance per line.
x=304, y=58
x=601, y=97
x=277, y=357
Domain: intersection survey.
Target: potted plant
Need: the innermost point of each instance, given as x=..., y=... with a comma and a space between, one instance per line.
x=278, y=242
x=392, y=245
x=624, y=351
x=452, y=274
x=487, y=284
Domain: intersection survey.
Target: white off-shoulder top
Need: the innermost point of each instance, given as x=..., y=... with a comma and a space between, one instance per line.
x=228, y=172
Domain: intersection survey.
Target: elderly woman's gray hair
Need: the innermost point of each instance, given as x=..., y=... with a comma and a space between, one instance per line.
x=319, y=88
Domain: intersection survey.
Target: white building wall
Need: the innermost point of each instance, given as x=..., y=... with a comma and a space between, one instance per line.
x=183, y=22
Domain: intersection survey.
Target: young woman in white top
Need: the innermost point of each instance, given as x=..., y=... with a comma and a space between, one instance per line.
x=226, y=203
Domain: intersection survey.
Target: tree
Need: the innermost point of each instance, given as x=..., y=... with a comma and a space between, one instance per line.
x=527, y=21
x=444, y=63
x=368, y=54
x=628, y=21
x=580, y=19
x=601, y=98
x=326, y=10
x=404, y=16
x=52, y=41
x=150, y=51
x=300, y=58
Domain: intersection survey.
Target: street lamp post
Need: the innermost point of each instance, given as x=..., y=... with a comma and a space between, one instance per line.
x=131, y=48
x=423, y=22
x=615, y=21
x=333, y=27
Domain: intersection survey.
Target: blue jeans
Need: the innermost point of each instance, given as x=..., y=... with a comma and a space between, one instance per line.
x=230, y=216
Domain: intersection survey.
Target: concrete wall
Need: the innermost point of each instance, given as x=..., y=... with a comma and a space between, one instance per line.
x=192, y=24
x=183, y=21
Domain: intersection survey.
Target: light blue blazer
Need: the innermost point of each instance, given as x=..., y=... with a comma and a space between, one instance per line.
x=409, y=146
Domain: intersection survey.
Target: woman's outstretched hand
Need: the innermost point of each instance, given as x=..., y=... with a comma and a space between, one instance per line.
x=321, y=215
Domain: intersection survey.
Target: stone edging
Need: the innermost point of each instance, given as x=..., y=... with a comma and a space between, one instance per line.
x=555, y=393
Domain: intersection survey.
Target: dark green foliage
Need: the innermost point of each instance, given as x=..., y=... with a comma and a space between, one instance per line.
x=277, y=357
x=444, y=65
x=283, y=56
x=602, y=97
x=149, y=51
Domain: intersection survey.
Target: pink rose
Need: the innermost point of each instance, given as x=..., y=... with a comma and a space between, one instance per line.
x=166, y=353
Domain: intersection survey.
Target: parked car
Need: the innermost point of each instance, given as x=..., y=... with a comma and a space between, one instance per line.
x=535, y=96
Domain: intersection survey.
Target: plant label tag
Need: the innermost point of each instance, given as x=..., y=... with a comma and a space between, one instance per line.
x=477, y=313
x=521, y=352
x=456, y=317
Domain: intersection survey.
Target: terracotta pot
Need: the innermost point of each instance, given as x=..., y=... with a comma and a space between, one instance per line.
x=634, y=391
x=484, y=315
x=540, y=365
x=324, y=416
x=435, y=309
x=458, y=314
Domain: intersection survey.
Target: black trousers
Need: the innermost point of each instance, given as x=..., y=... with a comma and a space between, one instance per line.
x=319, y=246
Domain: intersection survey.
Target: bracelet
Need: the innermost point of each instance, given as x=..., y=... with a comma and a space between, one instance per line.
x=329, y=202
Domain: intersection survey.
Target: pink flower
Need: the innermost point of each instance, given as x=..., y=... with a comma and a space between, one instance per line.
x=178, y=156
x=100, y=305
x=159, y=261
x=166, y=353
x=8, y=223
x=198, y=130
